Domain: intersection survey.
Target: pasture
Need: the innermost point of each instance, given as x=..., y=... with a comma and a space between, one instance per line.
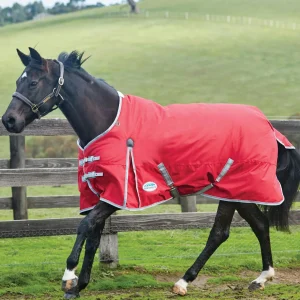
x=171, y=61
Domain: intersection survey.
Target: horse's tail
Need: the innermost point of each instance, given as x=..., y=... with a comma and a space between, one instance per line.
x=288, y=174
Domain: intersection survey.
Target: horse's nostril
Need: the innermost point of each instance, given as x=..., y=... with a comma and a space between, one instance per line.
x=11, y=121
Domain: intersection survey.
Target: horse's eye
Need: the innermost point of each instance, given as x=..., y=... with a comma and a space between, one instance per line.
x=33, y=83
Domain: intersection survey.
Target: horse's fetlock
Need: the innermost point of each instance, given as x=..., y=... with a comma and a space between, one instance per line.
x=190, y=275
x=82, y=285
x=71, y=263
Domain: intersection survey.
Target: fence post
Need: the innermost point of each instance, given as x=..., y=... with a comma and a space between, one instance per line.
x=17, y=160
x=188, y=204
x=108, y=250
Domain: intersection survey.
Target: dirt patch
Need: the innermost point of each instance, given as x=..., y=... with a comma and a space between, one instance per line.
x=284, y=276
x=199, y=282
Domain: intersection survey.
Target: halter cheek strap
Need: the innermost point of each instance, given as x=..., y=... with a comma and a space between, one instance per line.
x=55, y=93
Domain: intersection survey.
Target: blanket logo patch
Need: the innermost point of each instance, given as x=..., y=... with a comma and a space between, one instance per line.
x=149, y=186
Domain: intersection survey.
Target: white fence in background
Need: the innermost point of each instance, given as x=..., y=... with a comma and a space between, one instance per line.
x=241, y=20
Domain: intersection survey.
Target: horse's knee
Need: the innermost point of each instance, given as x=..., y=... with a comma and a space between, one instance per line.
x=219, y=236
x=83, y=227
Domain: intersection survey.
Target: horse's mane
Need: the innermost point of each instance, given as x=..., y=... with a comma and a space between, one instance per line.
x=73, y=60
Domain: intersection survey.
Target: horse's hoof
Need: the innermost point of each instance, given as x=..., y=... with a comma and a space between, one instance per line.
x=179, y=290
x=67, y=285
x=256, y=286
x=71, y=296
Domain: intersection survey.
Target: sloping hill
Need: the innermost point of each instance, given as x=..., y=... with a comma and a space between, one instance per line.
x=278, y=9
x=174, y=60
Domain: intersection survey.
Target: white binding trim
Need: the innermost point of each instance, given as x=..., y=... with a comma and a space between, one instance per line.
x=124, y=207
x=133, y=209
x=265, y=276
x=126, y=176
x=69, y=275
x=286, y=147
x=86, y=209
x=121, y=96
x=246, y=201
x=160, y=202
x=91, y=188
x=135, y=177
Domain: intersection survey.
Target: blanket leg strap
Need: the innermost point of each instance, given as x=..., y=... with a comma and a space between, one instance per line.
x=221, y=175
x=165, y=174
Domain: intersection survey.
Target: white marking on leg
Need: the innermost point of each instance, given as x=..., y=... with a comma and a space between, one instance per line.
x=265, y=276
x=180, y=287
x=69, y=275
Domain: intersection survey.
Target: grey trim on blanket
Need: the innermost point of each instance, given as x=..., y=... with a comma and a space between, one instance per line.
x=110, y=127
x=126, y=176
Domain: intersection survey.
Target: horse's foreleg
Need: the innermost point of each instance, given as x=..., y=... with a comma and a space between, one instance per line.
x=90, y=229
x=260, y=226
x=218, y=235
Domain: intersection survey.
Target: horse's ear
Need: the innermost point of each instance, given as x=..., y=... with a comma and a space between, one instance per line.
x=24, y=58
x=35, y=55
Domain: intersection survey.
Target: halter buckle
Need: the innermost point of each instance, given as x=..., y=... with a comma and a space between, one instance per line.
x=35, y=108
x=61, y=81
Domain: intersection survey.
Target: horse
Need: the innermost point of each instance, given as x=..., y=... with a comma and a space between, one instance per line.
x=92, y=108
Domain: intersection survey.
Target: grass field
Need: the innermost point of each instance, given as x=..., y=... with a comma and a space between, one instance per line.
x=32, y=267
x=168, y=60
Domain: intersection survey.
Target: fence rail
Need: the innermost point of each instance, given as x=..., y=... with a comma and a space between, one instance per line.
x=119, y=223
x=19, y=172
x=241, y=20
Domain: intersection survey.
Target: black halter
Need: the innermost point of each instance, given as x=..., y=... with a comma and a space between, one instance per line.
x=56, y=93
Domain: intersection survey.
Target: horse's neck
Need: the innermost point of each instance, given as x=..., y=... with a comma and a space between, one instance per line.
x=90, y=107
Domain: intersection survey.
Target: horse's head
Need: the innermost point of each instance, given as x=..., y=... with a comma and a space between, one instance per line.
x=37, y=93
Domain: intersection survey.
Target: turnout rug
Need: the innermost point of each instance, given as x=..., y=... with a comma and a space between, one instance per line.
x=151, y=153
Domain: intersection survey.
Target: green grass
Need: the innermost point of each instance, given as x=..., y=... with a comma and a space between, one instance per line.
x=273, y=9
x=154, y=259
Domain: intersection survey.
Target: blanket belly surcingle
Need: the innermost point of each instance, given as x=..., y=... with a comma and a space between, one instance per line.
x=229, y=148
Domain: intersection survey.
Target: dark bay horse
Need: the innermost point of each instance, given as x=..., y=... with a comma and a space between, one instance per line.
x=91, y=106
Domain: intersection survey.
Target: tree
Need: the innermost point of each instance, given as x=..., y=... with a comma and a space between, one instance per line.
x=58, y=8
x=33, y=9
x=6, y=14
x=133, y=6
x=18, y=13
x=1, y=17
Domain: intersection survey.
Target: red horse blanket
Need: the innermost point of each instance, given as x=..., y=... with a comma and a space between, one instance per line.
x=225, y=151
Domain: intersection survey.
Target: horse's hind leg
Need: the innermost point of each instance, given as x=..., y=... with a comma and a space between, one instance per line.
x=90, y=229
x=260, y=226
x=218, y=235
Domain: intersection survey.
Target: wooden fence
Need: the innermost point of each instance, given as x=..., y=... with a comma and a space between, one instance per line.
x=18, y=172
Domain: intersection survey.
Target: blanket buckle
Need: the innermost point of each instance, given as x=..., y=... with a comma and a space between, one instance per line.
x=165, y=174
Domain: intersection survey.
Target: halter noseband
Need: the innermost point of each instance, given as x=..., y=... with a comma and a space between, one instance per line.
x=56, y=93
